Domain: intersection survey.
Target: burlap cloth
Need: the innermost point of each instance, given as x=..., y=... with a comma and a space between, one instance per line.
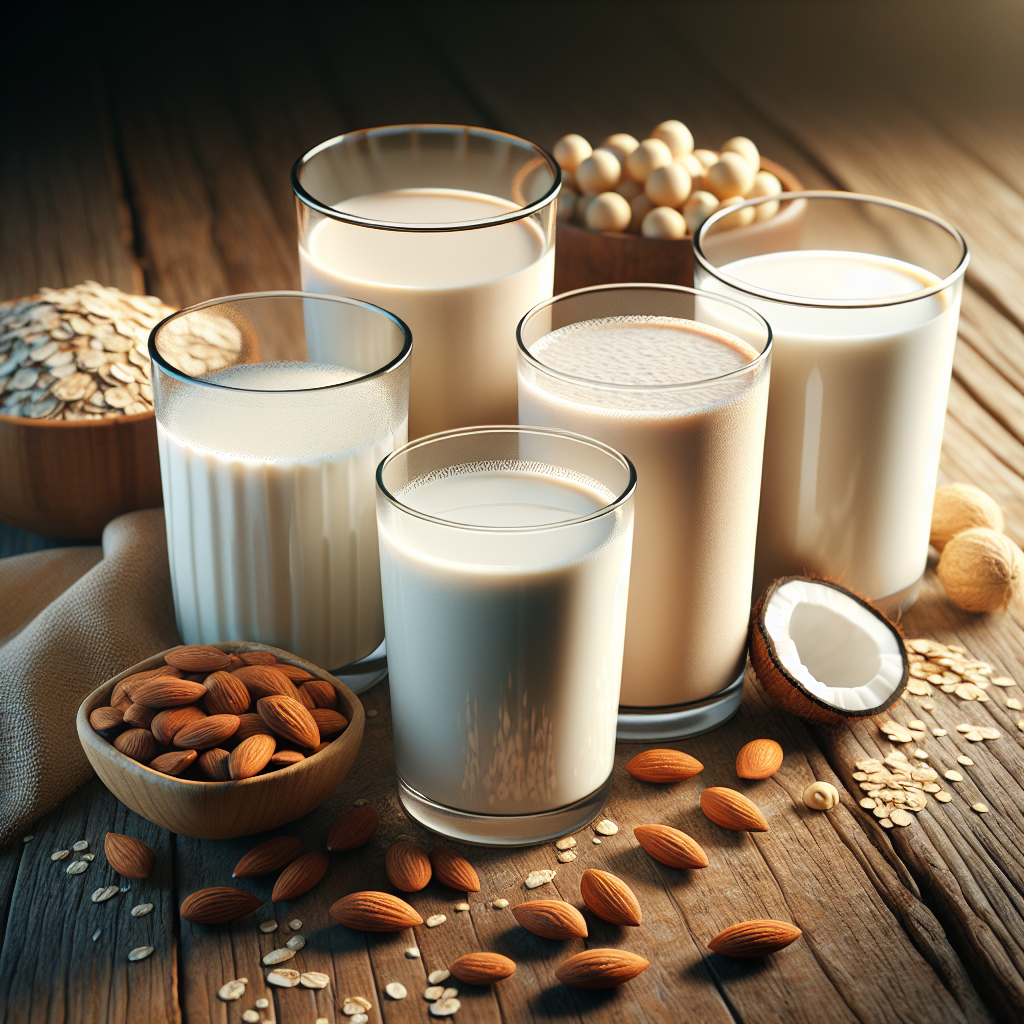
x=69, y=619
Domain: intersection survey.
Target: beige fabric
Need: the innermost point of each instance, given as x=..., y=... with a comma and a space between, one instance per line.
x=73, y=618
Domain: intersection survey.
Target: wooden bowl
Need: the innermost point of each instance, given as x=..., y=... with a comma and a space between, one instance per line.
x=69, y=479
x=584, y=258
x=224, y=810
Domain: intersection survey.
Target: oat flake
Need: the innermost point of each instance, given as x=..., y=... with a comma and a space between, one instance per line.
x=268, y=926
x=499, y=904
x=436, y=977
x=435, y=919
x=538, y=878
x=314, y=979
x=396, y=990
x=142, y=909
x=230, y=991
x=140, y=952
x=606, y=828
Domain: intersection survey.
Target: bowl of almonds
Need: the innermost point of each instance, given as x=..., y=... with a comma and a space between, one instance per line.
x=224, y=740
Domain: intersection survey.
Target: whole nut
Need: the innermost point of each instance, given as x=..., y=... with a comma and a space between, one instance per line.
x=821, y=796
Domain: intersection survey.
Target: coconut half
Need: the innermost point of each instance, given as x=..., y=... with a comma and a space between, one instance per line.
x=825, y=654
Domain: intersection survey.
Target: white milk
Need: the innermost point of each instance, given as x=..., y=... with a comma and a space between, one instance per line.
x=461, y=293
x=697, y=453
x=271, y=524
x=505, y=650
x=855, y=417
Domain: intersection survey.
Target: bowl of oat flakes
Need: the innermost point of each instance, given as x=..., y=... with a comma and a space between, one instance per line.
x=77, y=430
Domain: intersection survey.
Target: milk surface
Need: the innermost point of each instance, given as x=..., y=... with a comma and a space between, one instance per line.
x=269, y=504
x=462, y=293
x=855, y=417
x=505, y=649
x=695, y=435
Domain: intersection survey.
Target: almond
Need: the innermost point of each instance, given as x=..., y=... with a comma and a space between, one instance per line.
x=754, y=938
x=608, y=896
x=353, y=828
x=306, y=698
x=482, y=968
x=257, y=658
x=284, y=758
x=139, y=716
x=269, y=856
x=251, y=756
x=294, y=673
x=321, y=745
x=321, y=693
x=164, y=692
x=236, y=662
x=226, y=694
x=119, y=698
x=167, y=724
x=288, y=718
x=214, y=765
x=758, y=759
x=733, y=810
x=265, y=681
x=330, y=723
x=407, y=866
x=129, y=857
x=138, y=744
x=551, y=919
x=250, y=724
x=127, y=686
x=374, y=912
x=218, y=904
x=174, y=762
x=663, y=766
x=454, y=870
x=669, y=846
x=600, y=968
x=107, y=721
x=197, y=658
x=204, y=733
x=300, y=876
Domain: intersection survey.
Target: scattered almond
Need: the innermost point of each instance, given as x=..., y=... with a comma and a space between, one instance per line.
x=300, y=876
x=218, y=905
x=732, y=810
x=483, y=968
x=374, y=912
x=758, y=759
x=551, y=919
x=754, y=938
x=608, y=896
x=353, y=828
x=408, y=867
x=600, y=968
x=663, y=766
x=267, y=857
x=129, y=857
x=669, y=846
x=454, y=870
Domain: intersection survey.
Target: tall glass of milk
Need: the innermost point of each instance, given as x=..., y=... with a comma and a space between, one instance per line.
x=504, y=558
x=267, y=464
x=453, y=229
x=864, y=310
x=631, y=366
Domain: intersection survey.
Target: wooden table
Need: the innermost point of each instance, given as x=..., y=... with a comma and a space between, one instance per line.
x=154, y=156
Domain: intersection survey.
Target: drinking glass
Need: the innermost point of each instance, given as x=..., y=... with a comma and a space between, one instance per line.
x=864, y=306
x=267, y=460
x=450, y=227
x=505, y=569
x=630, y=365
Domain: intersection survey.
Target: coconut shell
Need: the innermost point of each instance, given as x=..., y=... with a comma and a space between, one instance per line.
x=982, y=571
x=960, y=507
x=789, y=693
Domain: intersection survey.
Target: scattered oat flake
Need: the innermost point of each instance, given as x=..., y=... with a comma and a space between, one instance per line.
x=82, y=844
x=606, y=828
x=538, y=878
x=90, y=857
x=1014, y=705
x=283, y=977
x=988, y=733
x=449, y=993
x=885, y=823
x=230, y=991
x=433, y=992
x=295, y=924
x=396, y=990
x=412, y=953
x=964, y=759
x=96, y=934
x=1003, y=681
x=565, y=843
x=965, y=727
x=953, y=776
x=142, y=909
x=980, y=808
x=597, y=842
x=566, y=856
x=435, y=919
x=268, y=926
x=76, y=867
x=250, y=1016
x=102, y=895
x=296, y=942
x=943, y=797
x=140, y=952
x=261, y=1004
x=436, y=977
x=321, y=1020
x=916, y=723
x=360, y=802
x=278, y=956
x=974, y=736
x=314, y=979
x=359, y=1018
x=938, y=732
x=372, y=713
x=927, y=705
x=27, y=839
x=921, y=755
x=499, y=904
x=459, y=907
x=355, y=1004
x=59, y=854
x=867, y=803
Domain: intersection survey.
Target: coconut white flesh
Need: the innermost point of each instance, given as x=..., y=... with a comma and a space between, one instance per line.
x=833, y=645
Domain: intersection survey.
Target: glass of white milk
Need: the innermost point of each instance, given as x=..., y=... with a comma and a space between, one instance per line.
x=864, y=310
x=451, y=228
x=632, y=366
x=505, y=557
x=268, y=462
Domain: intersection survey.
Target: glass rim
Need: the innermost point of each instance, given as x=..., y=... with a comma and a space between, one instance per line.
x=802, y=300
x=603, y=385
x=313, y=203
x=186, y=378
x=591, y=442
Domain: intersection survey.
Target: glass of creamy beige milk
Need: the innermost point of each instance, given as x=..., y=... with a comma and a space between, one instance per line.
x=451, y=228
x=633, y=366
x=273, y=411
x=505, y=556
x=864, y=308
